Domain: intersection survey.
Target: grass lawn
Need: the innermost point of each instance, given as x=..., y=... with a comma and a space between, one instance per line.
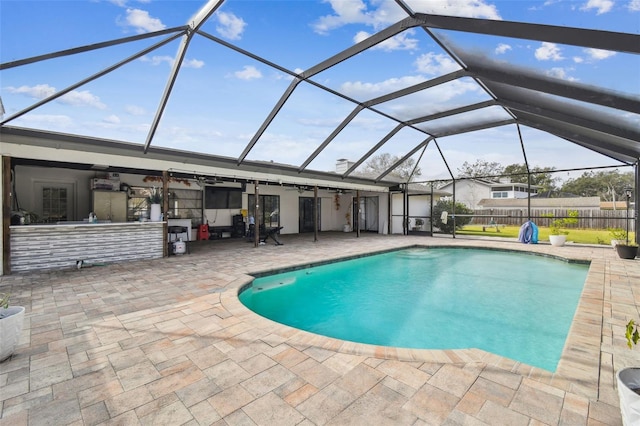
x=582, y=236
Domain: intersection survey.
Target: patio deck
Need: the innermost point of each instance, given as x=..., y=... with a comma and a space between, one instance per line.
x=167, y=342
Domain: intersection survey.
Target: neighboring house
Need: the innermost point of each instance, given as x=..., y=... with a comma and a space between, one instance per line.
x=507, y=189
x=469, y=191
x=472, y=191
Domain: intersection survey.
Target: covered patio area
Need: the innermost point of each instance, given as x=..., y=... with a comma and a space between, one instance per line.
x=167, y=342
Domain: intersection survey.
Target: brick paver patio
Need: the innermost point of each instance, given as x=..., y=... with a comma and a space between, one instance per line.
x=168, y=342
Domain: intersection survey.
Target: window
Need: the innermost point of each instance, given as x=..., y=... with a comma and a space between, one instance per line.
x=54, y=204
x=503, y=194
x=223, y=198
x=183, y=204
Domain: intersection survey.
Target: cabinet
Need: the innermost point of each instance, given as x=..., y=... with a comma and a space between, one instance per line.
x=110, y=205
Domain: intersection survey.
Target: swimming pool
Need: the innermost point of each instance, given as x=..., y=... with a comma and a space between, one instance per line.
x=512, y=304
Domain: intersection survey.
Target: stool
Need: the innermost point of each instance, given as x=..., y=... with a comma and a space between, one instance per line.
x=175, y=230
x=203, y=232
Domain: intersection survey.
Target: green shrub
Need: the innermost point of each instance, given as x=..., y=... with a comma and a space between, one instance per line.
x=447, y=206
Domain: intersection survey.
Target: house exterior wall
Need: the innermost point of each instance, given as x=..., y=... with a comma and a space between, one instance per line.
x=468, y=192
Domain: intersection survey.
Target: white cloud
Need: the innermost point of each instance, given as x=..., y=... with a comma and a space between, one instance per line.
x=602, y=6
x=142, y=22
x=75, y=98
x=135, y=110
x=399, y=42
x=186, y=63
x=548, y=52
x=598, y=54
x=502, y=48
x=83, y=98
x=53, y=122
x=578, y=59
x=192, y=63
x=634, y=6
x=39, y=91
x=113, y=119
x=385, y=12
x=248, y=72
x=230, y=26
x=157, y=60
x=464, y=8
x=436, y=64
x=360, y=90
x=560, y=73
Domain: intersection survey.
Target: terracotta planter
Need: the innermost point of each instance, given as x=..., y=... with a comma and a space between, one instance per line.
x=626, y=252
x=11, y=321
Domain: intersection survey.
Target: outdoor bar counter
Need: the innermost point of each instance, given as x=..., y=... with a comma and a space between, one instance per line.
x=63, y=245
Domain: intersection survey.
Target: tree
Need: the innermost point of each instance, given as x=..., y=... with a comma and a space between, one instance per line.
x=380, y=163
x=447, y=206
x=540, y=176
x=608, y=185
x=480, y=168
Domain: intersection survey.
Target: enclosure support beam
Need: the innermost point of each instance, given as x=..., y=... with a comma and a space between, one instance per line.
x=526, y=163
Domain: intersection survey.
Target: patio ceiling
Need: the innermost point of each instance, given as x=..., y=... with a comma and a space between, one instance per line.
x=599, y=119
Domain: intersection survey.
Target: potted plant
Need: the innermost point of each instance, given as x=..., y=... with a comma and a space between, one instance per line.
x=628, y=380
x=11, y=322
x=618, y=235
x=417, y=225
x=558, y=235
x=154, y=200
x=626, y=249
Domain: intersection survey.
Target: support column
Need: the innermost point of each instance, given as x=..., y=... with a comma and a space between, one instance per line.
x=256, y=216
x=315, y=213
x=165, y=210
x=356, y=214
x=5, y=193
x=636, y=205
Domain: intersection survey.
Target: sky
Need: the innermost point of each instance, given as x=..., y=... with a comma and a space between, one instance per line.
x=221, y=97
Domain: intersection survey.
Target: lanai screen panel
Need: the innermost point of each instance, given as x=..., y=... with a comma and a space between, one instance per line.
x=221, y=98
x=300, y=127
x=361, y=133
x=497, y=144
x=118, y=104
x=440, y=98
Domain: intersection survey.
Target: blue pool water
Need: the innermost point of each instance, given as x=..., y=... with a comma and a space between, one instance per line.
x=512, y=304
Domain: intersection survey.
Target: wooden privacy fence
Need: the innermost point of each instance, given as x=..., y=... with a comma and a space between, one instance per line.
x=587, y=218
